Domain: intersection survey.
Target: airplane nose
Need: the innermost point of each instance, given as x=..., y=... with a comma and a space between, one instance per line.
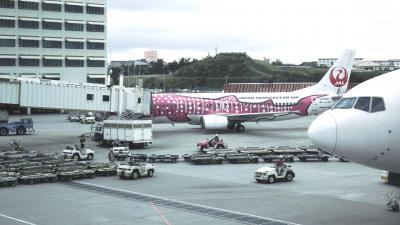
x=322, y=132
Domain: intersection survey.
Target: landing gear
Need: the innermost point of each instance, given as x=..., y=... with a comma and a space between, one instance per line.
x=240, y=128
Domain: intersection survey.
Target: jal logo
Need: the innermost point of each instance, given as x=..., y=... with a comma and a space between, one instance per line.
x=338, y=76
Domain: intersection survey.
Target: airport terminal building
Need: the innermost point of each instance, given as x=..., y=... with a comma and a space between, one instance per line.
x=54, y=39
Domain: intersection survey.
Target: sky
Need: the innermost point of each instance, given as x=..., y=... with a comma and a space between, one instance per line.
x=290, y=30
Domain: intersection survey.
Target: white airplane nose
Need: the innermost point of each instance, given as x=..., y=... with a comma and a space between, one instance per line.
x=322, y=132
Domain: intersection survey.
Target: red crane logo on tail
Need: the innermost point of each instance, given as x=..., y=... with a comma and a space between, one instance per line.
x=338, y=76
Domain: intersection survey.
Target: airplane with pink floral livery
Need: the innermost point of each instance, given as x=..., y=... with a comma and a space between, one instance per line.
x=230, y=110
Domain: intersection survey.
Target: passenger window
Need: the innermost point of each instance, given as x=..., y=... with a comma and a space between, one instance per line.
x=363, y=104
x=345, y=103
x=377, y=104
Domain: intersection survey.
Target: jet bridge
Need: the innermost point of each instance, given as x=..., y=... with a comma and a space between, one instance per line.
x=38, y=93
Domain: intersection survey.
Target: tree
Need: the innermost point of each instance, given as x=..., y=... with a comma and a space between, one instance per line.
x=115, y=72
x=277, y=62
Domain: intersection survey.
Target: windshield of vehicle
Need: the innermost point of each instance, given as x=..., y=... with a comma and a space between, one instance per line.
x=345, y=103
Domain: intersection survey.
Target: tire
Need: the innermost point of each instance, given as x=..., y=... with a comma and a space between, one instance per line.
x=240, y=128
x=31, y=182
x=254, y=160
x=21, y=131
x=173, y=160
x=3, y=131
x=135, y=175
x=76, y=157
x=90, y=157
x=289, y=177
x=395, y=207
x=150, y=173
x=271, y=179
x=152, y=160
x=11, y=183
x=220, y=146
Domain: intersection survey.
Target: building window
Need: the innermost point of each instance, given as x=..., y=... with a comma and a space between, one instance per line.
x=97, y=45
x=7, y=60
x=51, y=25
x=74, y=62
x=95, y=27
x=95, y=62
x=9, y=4
x=51, y=76
x=95, y=9
x=52, y=7
x=89, y=97
x=7, y=42
x=28, y=23
x=7, y=22
x=73, y=7
x=30, y=5
x=106, y=98
x=51, y=43
x=73, y=26
x=52, y=62
x=28, y=43
x=70, y=44
x=29, y=61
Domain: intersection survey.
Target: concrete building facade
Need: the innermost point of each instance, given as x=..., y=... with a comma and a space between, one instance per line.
x=54, y=39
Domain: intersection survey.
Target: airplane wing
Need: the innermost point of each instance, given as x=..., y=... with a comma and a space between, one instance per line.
x=247, y=117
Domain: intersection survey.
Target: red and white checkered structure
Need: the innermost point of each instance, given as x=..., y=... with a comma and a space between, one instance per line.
x=150, y=55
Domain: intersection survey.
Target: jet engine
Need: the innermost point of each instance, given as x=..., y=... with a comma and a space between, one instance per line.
x=214, y=122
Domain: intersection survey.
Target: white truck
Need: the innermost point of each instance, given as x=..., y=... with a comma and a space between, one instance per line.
x=76, y=153
x=270, y=174
x=87, y=118
x=134, y=133
x=134, y=170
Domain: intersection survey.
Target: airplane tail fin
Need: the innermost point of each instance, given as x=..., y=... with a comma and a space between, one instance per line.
x=336, y=80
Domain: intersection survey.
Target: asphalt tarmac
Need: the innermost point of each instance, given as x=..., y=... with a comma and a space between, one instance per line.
x=322, y=192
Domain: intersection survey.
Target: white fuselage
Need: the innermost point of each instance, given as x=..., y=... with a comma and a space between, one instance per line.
x=367, y=137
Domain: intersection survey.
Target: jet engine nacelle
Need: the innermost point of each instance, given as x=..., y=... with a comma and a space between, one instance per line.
x=214, y=122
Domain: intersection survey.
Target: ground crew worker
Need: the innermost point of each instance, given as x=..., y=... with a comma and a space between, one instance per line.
x=82, y=140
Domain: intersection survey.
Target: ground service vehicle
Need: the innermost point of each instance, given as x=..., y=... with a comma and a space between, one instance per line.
x=76, y=153
x=134, y=170
x=21, y=127
x=211, y=144
x=87, y=118
x=134, y=133
x=270, y=174
x=73, y=116
x=163, y=158
x=118, y=153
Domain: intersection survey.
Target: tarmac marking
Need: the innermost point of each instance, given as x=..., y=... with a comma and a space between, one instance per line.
x=243, y=218
x=19, y=220
x=160, y=214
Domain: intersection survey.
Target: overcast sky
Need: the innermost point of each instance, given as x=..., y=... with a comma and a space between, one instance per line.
x=291, y=30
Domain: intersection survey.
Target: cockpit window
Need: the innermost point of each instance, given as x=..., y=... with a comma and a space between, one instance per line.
x=363, y=104
x=378, y=104
x=345, y=103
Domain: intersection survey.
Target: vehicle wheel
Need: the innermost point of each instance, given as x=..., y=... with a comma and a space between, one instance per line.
x=150, y=173
x=324, y=159
x=289, y=176
x=76, y=157
x=135, y=175
x=271, y=179
x=173, y=160
x=86, y=121
x=220, y=146
x=151, y=160
x=11, y=183
x=303, y=159
x=30, y=182
x=395, y=207
x=3, y=131
x=240, y=128
x=90, y=157
x=21, y=131
x=256, y=160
